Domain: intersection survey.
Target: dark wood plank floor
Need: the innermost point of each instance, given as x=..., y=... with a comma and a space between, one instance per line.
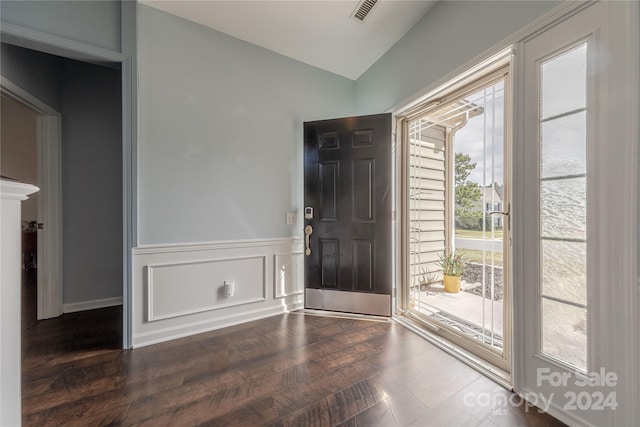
x=292, y=369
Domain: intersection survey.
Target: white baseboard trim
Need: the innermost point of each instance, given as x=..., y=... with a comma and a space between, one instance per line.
x=568, y=417
x=297, y=306
x=91, y=305
x=185, y=330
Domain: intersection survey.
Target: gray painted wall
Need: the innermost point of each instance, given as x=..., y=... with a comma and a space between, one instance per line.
x=220, y=132
x=39, y=74
x=93, y=22
x=89, y=97
x=452, y=33
x=91, y=182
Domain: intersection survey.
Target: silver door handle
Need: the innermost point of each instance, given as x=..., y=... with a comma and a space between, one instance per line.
x=307, y=239
x=507, y=213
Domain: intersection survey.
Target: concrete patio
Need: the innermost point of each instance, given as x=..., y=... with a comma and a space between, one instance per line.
x=462, y=307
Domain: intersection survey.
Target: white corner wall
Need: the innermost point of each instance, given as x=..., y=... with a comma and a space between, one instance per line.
x=11, y=196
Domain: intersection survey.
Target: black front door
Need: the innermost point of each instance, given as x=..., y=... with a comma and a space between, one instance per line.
x=347, y=217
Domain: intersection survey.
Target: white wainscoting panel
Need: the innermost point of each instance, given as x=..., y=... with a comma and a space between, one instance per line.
x=288, y=274
x=178, y=289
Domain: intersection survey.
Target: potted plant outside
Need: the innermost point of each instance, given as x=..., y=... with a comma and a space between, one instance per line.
x=452, y=268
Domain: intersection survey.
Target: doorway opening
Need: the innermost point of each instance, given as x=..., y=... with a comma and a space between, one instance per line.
x=31, y=135
x=86, y=111
x=456, y=204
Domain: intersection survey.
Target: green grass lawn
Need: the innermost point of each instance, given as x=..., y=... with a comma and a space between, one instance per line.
x=477, y=234
x=476, y=256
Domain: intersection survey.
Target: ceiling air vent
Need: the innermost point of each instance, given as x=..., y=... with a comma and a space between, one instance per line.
x=362, y=9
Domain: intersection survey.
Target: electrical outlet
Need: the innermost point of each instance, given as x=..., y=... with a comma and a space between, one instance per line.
x=229, y=288
x=291, y=218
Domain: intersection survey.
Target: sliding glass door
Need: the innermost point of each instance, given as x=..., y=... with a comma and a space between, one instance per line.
x=457, y=207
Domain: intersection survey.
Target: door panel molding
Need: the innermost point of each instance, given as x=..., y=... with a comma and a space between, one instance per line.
x=363, y=262
x=363, y=171
x=330, y=262
x=329, y=174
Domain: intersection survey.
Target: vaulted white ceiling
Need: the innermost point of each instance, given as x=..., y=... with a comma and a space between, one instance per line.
x=317, y=32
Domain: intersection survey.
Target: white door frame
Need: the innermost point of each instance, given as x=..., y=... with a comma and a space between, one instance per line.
x=49, y=180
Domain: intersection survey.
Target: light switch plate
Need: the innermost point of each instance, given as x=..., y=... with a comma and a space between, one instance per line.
x=291, y=218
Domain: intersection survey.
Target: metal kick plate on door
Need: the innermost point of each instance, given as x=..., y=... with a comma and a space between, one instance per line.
x=348, y=302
